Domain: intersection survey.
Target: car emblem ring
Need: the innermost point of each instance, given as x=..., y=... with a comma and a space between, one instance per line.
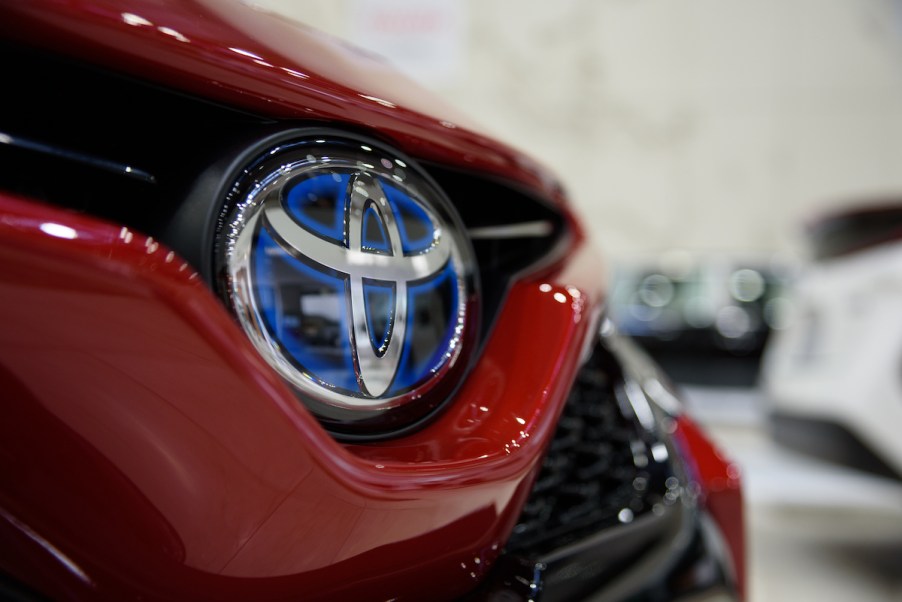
x=350, y=274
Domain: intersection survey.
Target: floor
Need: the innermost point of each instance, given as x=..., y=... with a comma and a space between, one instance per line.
x=815, y=531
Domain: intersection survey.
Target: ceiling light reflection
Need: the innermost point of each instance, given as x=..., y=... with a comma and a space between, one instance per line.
x=59, y=230
x=135, y=20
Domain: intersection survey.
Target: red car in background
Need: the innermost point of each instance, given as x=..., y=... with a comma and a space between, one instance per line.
x=277, y=325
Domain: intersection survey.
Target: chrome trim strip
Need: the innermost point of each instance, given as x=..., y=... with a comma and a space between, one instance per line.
x=70, y=155
x=536, y=229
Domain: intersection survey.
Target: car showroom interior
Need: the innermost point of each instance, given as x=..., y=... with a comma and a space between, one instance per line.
x=472, y=300
x=738, y=165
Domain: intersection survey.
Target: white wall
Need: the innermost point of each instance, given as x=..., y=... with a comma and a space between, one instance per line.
x=702, y=124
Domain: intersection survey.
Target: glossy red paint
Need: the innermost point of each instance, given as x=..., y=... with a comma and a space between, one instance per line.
x=721, y=489
x=151, y=452
x=267, y=65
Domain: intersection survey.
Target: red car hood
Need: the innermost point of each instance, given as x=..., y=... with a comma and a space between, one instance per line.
x=267, y=65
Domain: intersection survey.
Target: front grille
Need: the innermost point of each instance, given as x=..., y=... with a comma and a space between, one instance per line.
x=75, y=153
x=603, y=467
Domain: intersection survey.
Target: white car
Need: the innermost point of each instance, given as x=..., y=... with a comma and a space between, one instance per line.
x=834, y=375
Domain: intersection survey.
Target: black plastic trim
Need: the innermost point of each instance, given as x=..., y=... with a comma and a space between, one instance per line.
x=830, y=441
x=660, y=559
x=12, y=590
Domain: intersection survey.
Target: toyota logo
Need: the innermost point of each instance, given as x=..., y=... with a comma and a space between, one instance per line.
x=350, y=275
x=376, y=367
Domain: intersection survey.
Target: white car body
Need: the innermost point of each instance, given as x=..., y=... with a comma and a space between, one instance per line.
x=839, y=361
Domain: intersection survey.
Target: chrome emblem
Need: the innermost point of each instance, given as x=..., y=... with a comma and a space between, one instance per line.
x=350, y=275
x=376, y=367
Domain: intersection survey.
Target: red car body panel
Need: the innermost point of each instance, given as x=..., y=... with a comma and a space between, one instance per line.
x=150, y=452
x=193, y=471
x=721, y=483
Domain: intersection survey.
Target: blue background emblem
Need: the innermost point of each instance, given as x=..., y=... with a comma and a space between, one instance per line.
x=306, y=304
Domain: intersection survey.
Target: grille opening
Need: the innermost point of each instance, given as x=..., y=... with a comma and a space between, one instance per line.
x=487, y=203
x=602, y=468
x=69, y=126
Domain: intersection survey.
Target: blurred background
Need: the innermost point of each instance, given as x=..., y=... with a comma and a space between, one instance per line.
x=740, y=166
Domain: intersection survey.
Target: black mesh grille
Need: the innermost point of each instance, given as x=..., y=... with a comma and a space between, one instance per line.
x=603, y=467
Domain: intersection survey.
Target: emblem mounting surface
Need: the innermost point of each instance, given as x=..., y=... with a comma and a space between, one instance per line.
x=349, y=272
